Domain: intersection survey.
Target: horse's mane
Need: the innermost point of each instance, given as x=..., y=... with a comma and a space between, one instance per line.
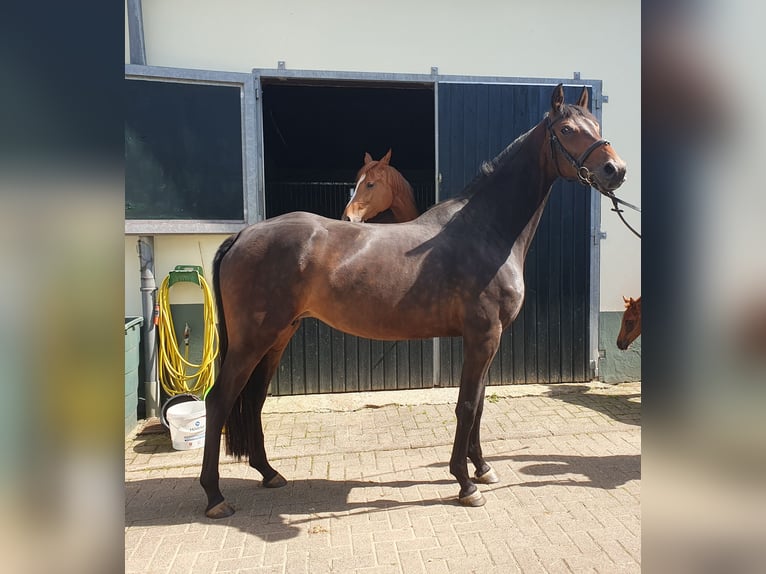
x=489, y=167
x=401, y=181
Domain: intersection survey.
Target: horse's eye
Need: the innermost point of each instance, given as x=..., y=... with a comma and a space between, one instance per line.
x=566, y=130
x=370, y=185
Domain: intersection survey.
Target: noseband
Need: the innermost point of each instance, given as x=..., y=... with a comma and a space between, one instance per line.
x=583, y=173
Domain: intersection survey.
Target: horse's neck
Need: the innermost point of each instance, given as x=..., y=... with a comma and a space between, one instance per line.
x=514, y=197
x=503, y=207
x=403, y=206
x=524, y=239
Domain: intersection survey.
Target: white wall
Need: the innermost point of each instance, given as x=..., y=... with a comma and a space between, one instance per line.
x=599, y=38
x=169, y=251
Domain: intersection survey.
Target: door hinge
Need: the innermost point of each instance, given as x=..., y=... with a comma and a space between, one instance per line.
x=598, y=102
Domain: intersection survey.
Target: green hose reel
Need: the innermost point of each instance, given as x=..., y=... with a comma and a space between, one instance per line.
x=185, y=274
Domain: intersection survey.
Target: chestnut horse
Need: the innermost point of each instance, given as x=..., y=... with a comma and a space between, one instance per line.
x=381, y=194
x=631, y=323
x=457, y=270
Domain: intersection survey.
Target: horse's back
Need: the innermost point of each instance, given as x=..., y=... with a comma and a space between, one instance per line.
x=293, y=246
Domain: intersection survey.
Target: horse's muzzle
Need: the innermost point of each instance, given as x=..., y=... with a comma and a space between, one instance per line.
x=610, y=176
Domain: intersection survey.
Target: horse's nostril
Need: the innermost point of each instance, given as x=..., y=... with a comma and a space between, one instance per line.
x=609, y=168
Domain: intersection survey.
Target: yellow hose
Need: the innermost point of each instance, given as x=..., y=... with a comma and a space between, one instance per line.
x=177, y=375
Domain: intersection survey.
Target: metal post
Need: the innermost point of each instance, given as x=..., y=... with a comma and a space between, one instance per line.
x=136, y=33
x=148, y=302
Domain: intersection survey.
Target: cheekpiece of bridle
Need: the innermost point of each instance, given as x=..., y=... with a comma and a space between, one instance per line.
x=584, y=175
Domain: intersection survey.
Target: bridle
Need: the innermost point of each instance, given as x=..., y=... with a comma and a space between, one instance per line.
x=584, y=175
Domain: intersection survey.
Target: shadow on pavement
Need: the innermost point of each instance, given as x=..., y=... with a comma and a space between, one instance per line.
x=622, y=408
x=606, y=472
x=270, y=514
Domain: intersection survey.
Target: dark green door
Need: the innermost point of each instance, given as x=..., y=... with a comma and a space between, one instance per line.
x=548, y=342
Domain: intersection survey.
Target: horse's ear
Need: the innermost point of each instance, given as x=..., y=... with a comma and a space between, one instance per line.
x=386, y=158
x=583, y=101
x=626, y=301
x=367, y=158
x=557, y=99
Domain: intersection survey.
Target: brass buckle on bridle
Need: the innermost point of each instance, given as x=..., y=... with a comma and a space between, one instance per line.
x=585, y=176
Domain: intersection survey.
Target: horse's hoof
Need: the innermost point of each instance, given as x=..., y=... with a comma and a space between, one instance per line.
x=276, y=481
x=220, y=510
x=476, y=498
x=489, y=477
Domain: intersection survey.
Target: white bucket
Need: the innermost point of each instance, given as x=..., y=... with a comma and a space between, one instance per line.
x=187, y=425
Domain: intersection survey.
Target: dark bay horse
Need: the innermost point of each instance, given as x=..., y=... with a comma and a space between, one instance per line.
x=457, y=270
x=630, y=328
x=381, y=194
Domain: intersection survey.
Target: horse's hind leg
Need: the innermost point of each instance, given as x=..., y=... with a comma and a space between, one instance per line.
x=236, y=399
x=257, y=387
x=218, y=404
x=484, y=473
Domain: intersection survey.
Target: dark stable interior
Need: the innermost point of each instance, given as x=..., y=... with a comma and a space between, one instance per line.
x=315, y=137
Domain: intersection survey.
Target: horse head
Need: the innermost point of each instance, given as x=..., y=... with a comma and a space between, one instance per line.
x=631, y=323
x=576, y=148
x=380, y=187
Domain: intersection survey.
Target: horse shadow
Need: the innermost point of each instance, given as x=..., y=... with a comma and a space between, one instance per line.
x=622, y=408
x=602, y=472
x=269, y=514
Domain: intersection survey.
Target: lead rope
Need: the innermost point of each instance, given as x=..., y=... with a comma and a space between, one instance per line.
x=618, y=211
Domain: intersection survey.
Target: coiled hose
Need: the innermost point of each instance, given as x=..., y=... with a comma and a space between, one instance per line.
x=177, y=375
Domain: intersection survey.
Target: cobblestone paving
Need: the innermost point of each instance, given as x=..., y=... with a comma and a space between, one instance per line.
x=369, y=491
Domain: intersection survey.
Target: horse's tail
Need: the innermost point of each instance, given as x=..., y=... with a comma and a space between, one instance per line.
x=223, y=340
x=239, y=424
x=243, y=422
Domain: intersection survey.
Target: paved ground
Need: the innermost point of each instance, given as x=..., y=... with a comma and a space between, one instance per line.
x=369, y=490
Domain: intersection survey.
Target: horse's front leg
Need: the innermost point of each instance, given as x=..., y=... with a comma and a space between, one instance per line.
x=478, y=351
